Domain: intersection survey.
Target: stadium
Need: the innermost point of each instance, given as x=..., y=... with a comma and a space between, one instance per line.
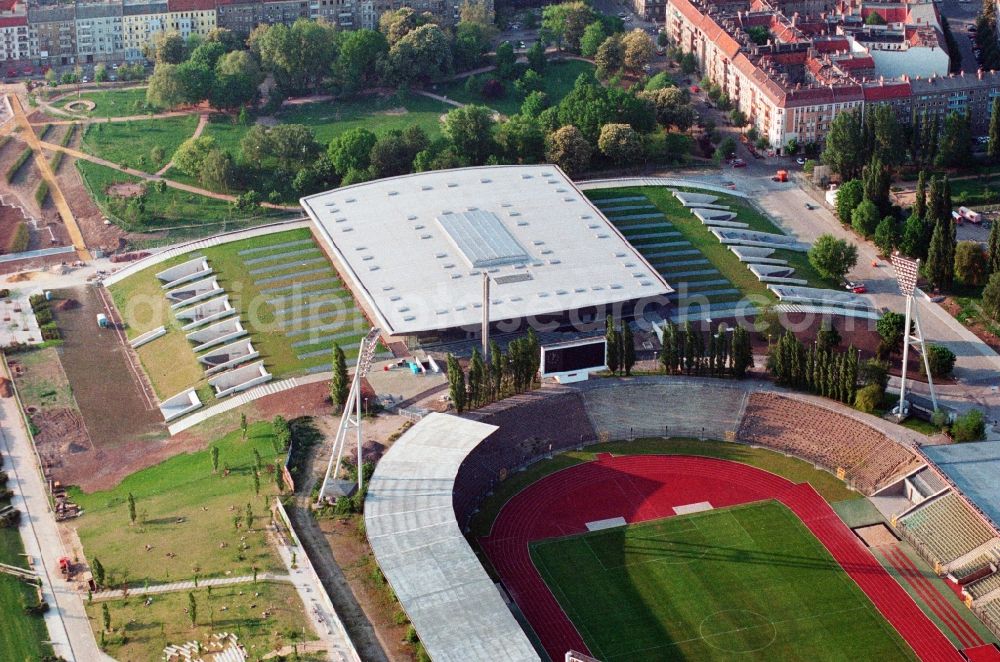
x=741, y=522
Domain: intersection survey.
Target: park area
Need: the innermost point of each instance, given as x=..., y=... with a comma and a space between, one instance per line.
x=747, y=582
x=283, y=289
x=190, y=516
x=23, y=635
x=265, y=616
x=145, y=145
x=560, y=75
x=122, y=102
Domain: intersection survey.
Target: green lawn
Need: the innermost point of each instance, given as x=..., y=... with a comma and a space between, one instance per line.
x=22, y=635
x=376, y=113
x=112, y=103
x=185, y=215
x=795, y=470
x=226, y=132
x=748, y=583
x=235, y=609
x=558, y=80
x=973, y=192
x=185, y=515
x=145, y=145
x=970, y=310
x=170, y=362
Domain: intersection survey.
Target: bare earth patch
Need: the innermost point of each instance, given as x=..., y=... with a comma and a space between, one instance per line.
x=127, y=190
x=393, y=112
x=876, y=536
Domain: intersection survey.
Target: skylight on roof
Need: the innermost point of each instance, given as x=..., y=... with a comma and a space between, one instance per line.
x=482, y=239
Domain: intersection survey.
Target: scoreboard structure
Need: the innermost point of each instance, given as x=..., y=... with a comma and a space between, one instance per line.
x=573, y=361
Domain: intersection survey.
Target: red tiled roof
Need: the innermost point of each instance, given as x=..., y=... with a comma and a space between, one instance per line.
x=12, y=21
x=7, y=5
x=831, y=45
x=890, y=14
x=855, y=63
x=190, y=5
x=887, y=92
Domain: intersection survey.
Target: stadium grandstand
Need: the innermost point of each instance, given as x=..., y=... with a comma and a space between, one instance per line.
x=858, y=453
x=948, y=532
x=973, y=469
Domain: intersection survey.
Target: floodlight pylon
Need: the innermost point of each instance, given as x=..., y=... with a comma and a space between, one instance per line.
x=906, y=277
x=350, y=419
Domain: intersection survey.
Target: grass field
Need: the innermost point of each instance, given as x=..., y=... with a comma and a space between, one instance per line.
x=22, y=635
x=145, y=145
x=795, y=470
x=286, y=347
x=558, y=81
x=375, y=113
x=113, y=103
x=186, y=215
x=748, y=583
x=163, y=622
x=185, y=515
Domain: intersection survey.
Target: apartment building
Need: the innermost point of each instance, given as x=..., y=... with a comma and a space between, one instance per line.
x=141, y=22
x=809, y=68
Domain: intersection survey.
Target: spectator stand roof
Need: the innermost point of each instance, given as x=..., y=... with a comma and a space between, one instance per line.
x=410, y=521
x=415, y=247
x=974, y=468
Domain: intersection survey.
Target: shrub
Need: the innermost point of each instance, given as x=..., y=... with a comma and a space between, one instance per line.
x=941, y=360
x=970, y=426
x=41, y=193
x=16, y=166
x=869, y=398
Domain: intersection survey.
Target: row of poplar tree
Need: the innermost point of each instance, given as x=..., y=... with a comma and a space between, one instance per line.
x=504, y=375
x=818, y=369
x=724, y=353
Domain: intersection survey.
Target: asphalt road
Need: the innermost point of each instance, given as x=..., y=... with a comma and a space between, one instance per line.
x=960, y=15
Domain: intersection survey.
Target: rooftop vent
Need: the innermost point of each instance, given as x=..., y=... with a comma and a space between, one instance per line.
x=452, y=184
x=426, y=188
x=392, y=193
x=350, y=200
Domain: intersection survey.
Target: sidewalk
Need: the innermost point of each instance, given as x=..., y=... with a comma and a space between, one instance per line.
x=189, y=585
x=66, y=620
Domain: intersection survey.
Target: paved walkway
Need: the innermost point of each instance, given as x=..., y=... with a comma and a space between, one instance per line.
x=202, y=123
x=66, y=619
x=28, y=135
x=189, y=585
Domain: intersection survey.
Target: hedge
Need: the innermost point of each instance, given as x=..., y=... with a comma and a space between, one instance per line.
x=21, y=160
x=41, y=193
x=57, y=158
x=19, y=242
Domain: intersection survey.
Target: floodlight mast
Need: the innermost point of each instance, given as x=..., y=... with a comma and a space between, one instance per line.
x=906, y=278
x=351, y=416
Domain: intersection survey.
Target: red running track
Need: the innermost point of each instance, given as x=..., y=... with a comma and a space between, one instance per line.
x=645, y=487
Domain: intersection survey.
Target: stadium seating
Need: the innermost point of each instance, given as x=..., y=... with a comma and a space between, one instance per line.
x=990, y=613
x=984, y=587
x=946, y=529
x=825, y=438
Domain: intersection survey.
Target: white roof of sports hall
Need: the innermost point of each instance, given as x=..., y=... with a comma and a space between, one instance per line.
x=414, y=247
x=410, y=522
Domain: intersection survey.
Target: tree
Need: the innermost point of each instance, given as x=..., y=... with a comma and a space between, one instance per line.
x=505, y=61
x=217, y=170
x=886, y=235
x=614, y=345
x=993, y=249
x=610, y=57
x=991, y=297
x=470, y=129
x=215, y=459
x=638, y=50
x=167, y=48
x=289, y=146
x=196, y=81
x=298, y=56
x=890, y=329
x=689, y=64
x=725, y=149
x=339, y=384
x=628, y=348
x=869, y=398
x=248, y=517
x=970, y=426
x=192, y=608
x=565, y=23
x=359, y=54
x=849, y=195
x=993, y=142
x=397, y=24
x=166, y=88
x=593, y=37
x=97, y=570
x=568, y=149
x=536, y=57
x=237, y=76
x=955, y=146
x=351, y=150
x=456, y=384
x=100, y=72
x=759, y=34
x=422, y=55
x=865, y=218
x=673, y=107
x=941, y=254
x=521, y=140
x=742, y=352
x=827, y=338
x=131, y=508
x=620, y=143
x=970, y=263
x=875, y=180
x=833, y=257
x=659, y=81
x=190, y=156
x=844, y=150
x=106, y=617
x=243, y=427
x=477, y=379
x=394, y=151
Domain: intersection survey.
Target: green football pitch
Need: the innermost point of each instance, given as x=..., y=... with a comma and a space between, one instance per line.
x=744, y=583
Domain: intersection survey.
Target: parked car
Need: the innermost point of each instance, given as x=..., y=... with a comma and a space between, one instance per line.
x=810, y=206
x=738, y=163
x=856, y=288
x=801, y=161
